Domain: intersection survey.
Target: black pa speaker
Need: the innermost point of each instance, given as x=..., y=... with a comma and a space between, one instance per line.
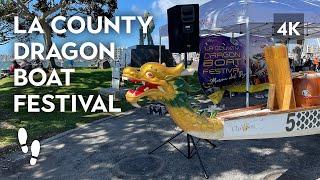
x=183, y=28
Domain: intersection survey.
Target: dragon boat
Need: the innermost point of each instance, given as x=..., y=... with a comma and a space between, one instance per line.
x=293, y=109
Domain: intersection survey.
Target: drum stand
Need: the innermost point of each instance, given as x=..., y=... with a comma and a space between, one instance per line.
x=191, y=152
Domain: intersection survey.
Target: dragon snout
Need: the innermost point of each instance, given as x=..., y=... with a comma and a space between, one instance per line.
x=131, y=72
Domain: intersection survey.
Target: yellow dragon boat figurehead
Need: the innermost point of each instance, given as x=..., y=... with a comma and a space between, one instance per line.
x=164, y=84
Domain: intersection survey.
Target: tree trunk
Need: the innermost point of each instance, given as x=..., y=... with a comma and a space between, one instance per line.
x=48, y=42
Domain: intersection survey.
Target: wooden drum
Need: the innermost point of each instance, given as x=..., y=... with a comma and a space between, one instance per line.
x=307, y=89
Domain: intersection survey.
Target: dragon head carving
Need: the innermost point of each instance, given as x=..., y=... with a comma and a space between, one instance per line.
x=157, y=82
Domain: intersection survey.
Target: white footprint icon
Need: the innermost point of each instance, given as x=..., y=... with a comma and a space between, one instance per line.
x=35, y=150
x=22, y=137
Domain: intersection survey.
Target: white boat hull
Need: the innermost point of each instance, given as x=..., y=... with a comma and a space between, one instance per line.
x=273, y=125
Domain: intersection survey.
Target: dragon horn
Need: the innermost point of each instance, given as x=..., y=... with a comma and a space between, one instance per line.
x=175, y=71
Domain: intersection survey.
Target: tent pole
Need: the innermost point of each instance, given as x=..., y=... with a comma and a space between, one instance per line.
x=160, y=49
x=247, y=62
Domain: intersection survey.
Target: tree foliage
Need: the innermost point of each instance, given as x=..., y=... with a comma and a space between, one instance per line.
x=46, y=10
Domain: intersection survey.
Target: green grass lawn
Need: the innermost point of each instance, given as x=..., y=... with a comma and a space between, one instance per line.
x=84, y=82
x=42, y=125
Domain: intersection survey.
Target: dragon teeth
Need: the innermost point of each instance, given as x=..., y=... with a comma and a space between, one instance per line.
x=144, y=83
x=161, y=89
x=146, y=89
x=136, y=105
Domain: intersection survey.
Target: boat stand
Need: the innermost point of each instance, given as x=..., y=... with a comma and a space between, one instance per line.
x=191, y=152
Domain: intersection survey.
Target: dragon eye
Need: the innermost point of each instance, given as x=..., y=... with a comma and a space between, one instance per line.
x=149, y=75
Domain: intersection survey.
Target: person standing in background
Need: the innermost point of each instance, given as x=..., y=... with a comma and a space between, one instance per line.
x=13, y=66
x=316, y=63
x=307, y=65
x=297, y=62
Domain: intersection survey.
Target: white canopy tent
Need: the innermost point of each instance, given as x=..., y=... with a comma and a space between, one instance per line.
x=253, y=17
x=230, y=15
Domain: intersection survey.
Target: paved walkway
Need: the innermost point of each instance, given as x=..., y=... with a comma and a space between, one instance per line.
x=117, y=148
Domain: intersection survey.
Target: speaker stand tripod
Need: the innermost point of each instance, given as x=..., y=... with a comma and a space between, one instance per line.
x=191, y=152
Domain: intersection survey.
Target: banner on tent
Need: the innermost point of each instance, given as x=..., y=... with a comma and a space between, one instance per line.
x=258, y=66
x=222, y=62
x=222, y=65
